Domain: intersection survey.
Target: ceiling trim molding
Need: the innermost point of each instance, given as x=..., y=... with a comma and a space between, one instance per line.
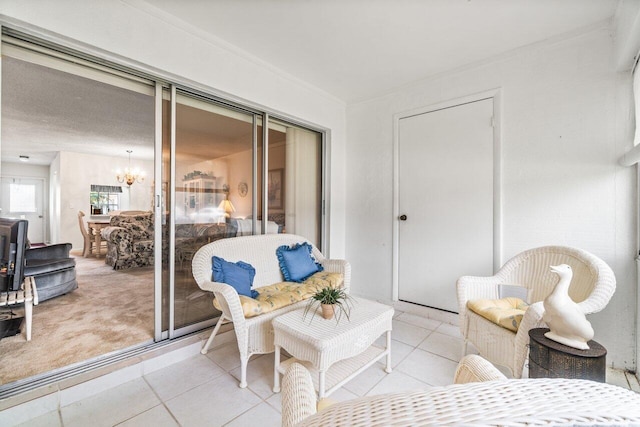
x=232, y=49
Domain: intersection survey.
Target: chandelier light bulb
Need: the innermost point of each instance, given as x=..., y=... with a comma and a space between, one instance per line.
x=129, y=175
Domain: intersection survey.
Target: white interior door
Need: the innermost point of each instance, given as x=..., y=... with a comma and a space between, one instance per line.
x=446, y=193
x=24, y=198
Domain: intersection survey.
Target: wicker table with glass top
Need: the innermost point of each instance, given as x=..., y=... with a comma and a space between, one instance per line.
x=334, y=352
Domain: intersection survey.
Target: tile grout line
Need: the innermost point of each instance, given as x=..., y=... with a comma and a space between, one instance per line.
x=162, y=402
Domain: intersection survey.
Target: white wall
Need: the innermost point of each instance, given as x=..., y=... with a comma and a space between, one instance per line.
x=25, y=170
x=131, y=29
x=76, y=174
x=565, y=123
x=626, y=33
x=241, y=170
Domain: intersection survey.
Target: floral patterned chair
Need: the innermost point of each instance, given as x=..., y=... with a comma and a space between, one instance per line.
x=129, y=240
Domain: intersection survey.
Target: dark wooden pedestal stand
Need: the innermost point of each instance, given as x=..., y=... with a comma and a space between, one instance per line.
x=550, y=359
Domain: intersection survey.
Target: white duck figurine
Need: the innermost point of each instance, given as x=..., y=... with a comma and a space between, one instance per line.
x=567, y=322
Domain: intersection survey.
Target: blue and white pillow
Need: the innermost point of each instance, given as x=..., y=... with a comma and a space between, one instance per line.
x=237, y=274
x=296, y=262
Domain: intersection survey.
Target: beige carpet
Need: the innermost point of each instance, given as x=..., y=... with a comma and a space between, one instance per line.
x=110, y=310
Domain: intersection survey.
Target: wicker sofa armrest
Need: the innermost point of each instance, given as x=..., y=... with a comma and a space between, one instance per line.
x=339, y=266
x=298, y=395
x=473, y=368
x=229, y=301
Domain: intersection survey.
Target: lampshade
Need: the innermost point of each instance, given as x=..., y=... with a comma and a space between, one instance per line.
x=226, y=206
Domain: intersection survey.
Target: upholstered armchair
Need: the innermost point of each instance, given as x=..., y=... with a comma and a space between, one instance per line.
x=53, y=270
x=129, y=240
x=592, y=286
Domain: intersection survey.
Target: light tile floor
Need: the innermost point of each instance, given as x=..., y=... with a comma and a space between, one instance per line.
x=203, y=390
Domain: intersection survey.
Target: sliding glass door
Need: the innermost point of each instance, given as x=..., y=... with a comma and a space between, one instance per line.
x=210, y=153
x=67, y=127
x=294, y=180
x=214, y=169
x=228, y=178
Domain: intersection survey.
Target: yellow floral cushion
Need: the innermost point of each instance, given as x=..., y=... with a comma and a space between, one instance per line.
x=282, y=294
x=506, y=312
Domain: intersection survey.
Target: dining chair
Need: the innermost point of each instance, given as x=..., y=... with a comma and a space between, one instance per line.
x=87, y=234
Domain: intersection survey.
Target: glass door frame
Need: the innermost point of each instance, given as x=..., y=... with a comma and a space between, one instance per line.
x=158, y=214
x=173, y=332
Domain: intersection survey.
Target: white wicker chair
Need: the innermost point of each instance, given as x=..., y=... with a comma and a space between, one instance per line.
x=255, y=334
x=482, y=396
x=592, y=286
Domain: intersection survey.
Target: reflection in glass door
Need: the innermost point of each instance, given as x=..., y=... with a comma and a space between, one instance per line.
x=294, y=181
x=221, y=181
x=212, y=188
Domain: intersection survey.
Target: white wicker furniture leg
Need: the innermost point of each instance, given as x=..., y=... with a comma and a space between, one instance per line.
x=345, y=347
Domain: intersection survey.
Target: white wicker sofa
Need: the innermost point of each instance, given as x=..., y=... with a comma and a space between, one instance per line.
x=254, y=334
x=481, y=396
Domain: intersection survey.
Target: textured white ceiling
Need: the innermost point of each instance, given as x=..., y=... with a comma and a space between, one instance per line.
x=45, y=111
x=352, y=49
x=358, y=49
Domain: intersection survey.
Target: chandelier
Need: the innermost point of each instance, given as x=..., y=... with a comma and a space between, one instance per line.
x=130, y=175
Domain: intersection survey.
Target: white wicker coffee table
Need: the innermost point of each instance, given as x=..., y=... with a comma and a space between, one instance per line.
x=333, y=352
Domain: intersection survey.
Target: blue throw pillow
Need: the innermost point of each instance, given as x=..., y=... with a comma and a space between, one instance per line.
x=296, y=262
x=239, y=275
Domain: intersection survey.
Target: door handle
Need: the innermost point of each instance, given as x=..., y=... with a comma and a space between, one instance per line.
x=402, y=217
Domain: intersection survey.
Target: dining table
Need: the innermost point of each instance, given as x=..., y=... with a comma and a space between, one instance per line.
x=96, y=228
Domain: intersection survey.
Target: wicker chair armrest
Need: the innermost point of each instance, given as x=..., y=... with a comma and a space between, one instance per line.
x=229, y=301
x=532, y=319
x=473, y=368
x=474, y=287
x=115, y=234
x=298, y=395
x=339, y=266
x=602, y=292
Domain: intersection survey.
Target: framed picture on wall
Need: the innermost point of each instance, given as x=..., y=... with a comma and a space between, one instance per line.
x=276, y=189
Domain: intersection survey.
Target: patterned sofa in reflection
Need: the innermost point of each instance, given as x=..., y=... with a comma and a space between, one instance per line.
x=130, y=238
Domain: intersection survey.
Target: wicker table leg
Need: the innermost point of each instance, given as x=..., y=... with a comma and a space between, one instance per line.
x=276, y=374
x=321, y=384
x=388, y=368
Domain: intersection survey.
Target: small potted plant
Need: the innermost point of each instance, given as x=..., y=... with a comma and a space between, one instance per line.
x=333, y=301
